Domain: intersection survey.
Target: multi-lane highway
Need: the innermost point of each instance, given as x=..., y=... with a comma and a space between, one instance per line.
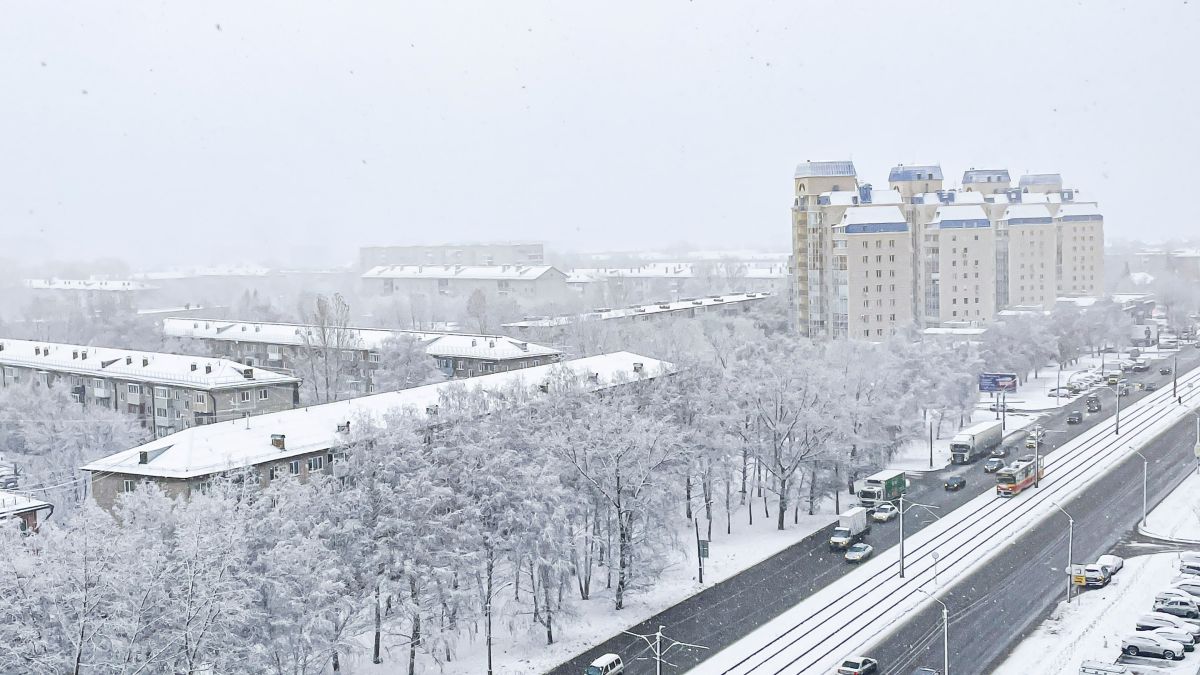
x=721, y=615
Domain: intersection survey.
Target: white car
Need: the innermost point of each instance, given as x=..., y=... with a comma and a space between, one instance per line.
x=1191, y=586
x=859, y=552
x=1154, y=620
x=1149, y=644
x=1190, y=557
x=1112, y=562
x=1172, y=593
x=1175, y=635
x=884, y=512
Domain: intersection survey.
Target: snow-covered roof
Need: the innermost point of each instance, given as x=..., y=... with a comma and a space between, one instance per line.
x=107, y=285
x=923, y=172
x=839, y=198
x=477, y=272
x=197, y=272
x=605, y=313
x=949, y=197
x=681, y=270
x=870, y=217
x=196, y=372
x=817, y=169
x=960, y=215
x=881, y=196
x=13, y=504
x=437, y=343
x=1079, y=210
x=1027, y=214
x=983, y=176
x=213, y=448
x=1141, y=278
x=1080, y=301
x=955, y=331
x=1041, y=179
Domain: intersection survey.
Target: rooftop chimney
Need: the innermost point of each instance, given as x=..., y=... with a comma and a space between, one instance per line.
x=83, y=355
x=129, y=360
x=279, y=441
x=344, y=428
x=638, y=367
x=37, y=351
x=248, y=373
x=431, y=410
x=145, y=361
x=74, y=354
x=193, y=367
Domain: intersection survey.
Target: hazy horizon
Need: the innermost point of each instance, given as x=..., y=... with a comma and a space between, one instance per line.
x=299, y=131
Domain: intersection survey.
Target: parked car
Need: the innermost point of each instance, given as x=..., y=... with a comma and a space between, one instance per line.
x=1074, y=417
x=884, y=512
x=1190, y=556
x=1189, y=567
x=1114, y=563
x=956, y=483
x=858, y=665
x=993, y=465
x=1168, y=593
x=1148, y=644
x=1187, y=584
x=1152, y=620
x=1176, y=635
x=1181, y=607
x=1000, y=451
x=1165, y=370
x=1096, y=575
x=859, y=552
x=609, y=664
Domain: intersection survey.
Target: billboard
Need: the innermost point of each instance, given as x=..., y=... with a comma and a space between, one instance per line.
x=991, y=382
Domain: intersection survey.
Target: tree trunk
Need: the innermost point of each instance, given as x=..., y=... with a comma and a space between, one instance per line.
x=377, y=656
x=489, y=571
x=782, y=504
x=624, y=542
x=687, y=496
x=415, y=639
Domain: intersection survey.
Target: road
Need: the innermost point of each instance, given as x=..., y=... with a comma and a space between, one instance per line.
x=1009, y=596
x=726, y=612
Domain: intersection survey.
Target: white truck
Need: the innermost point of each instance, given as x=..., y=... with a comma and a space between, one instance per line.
x=976, y=441
x=880, y=487
x=851, y=528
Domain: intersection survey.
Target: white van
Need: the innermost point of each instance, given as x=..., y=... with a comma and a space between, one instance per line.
x=609, y=664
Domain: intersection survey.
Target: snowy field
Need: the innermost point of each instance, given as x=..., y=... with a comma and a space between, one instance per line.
x=1178, y=515
x=1091, y=627
x=521, y=648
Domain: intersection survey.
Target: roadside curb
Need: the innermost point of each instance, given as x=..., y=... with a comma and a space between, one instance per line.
x=1174, y=540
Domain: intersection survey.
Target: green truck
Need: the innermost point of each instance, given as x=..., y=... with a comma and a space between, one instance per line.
x=881, y=487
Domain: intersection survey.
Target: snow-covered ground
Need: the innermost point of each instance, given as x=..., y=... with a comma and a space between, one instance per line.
x=521, y=647
x=1178, y=515
x=1092, y=625
x=849, y=614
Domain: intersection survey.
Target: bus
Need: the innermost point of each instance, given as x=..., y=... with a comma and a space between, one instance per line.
x=1013, y=479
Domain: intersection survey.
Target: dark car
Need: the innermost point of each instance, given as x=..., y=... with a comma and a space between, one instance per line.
x=1150, y=386
x=1164, y=371
x=925, y=671
x=993, y=465
x=1074, y=417
x=999, y=451
x=956, y=483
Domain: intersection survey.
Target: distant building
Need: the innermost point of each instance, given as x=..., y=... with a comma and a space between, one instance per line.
x=277, y=346
x=517, y=253
x=308, y=440
x=721, y=305
x=538, y=282
x=92, y=293
x=677, y=279
x=27, y=511
x=166, y=392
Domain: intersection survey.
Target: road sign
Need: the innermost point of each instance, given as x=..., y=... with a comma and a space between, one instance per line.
x=997, y=382
x=1077, y=576
x=703, y=543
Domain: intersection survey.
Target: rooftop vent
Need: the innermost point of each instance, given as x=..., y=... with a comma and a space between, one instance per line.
x=193, y=367
x=472, y=342
x=145, y=361
x=344, y=428
x=208, y=369
x=491, y=344
x=638, y=367
x=279, y=441
x=1, y=346
x=83, y=355
x=594, y=378
x=544, y=387
x=37, y=351
x=248, y=373
x=129, y=360
x=147, y=456
x=74, y=354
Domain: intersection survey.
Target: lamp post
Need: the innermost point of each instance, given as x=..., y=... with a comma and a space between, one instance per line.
x=1070, y=543
x=1117, y=392
x=1145, y=481
x=902, y=509
x=945, y=631
x=1175, y=379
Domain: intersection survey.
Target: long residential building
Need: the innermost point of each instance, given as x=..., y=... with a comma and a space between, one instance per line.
x=166, y=392
x=723, y=305
x=972, y=252
x=305, y=441
x=277, y=346
x=528, y=282
x=499, y=253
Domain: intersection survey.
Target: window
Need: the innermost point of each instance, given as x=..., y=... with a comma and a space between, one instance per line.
x=263, y=394
x=294, y=467
x=315, y=463
x=178, y=394
x=134, y=388
x=245, y=395
x=160, y=412
x=127, y=485
x=160, y=392
x=98, y=383
x=272, y=472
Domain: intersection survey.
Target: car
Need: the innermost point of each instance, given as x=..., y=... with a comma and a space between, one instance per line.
x=1187, y=584
x=993, y=465
x=1166, y=370
x=1150, y=386
x=999, y=451
x=1176, y=635
x=859, y=552
x=1062, y=392
x=1114, y=563
x=884, y=512
x=956, y=483
x=925, y=671
x=1096, y=575
x=1153, y=620
x=1074, y=417
x=1148, y=644
x=609, y=664
x=858, y=665
x=1181, y=607
x=1189, y=567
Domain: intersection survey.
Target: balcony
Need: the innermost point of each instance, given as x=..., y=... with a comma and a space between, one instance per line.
x=101, y=392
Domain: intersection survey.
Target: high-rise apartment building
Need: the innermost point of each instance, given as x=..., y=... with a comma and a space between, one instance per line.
x=867, y=263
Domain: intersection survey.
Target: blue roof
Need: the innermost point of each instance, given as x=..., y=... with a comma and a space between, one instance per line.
x=1041, y=179
x=981, y=176
x=837, y=168
x=925, y=172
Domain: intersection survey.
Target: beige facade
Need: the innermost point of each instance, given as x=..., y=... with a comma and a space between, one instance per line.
x=959, y=266
x=986, y=181
x=811, y=223
x=872, y=274
x=1027, y=249
x=1080, y=232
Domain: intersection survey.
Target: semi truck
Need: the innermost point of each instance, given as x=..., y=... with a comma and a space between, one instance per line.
x=851, y=528
x=976, y=441
x=880, y=487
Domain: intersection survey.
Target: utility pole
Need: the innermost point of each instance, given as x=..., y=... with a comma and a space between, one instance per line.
x=699, y=550
x=1070, y=542
x=1175, y=379
x=1118, y=393
x=910, y=504
x=945, y=631
x=1037, y=456
x=1145, y=481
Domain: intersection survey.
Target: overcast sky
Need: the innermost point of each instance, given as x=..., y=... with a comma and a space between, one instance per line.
x=235, y=131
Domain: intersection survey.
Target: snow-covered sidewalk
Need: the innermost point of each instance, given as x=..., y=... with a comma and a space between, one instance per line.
x=1092, y=626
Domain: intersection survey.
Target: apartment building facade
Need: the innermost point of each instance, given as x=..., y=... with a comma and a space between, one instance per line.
x=167, y=393
x=307, y=441
x=972, y=251
x=486, y=254
x=27, y=512
x=538, y=282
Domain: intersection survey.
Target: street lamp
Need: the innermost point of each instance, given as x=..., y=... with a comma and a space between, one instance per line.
x=1117, y=392
x=1175, y=379
x=1145, y=481
x=902, y=509
x=945, y=631
x=1070, y=543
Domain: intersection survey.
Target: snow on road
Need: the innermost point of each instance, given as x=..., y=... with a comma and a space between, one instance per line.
x=844, y=617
